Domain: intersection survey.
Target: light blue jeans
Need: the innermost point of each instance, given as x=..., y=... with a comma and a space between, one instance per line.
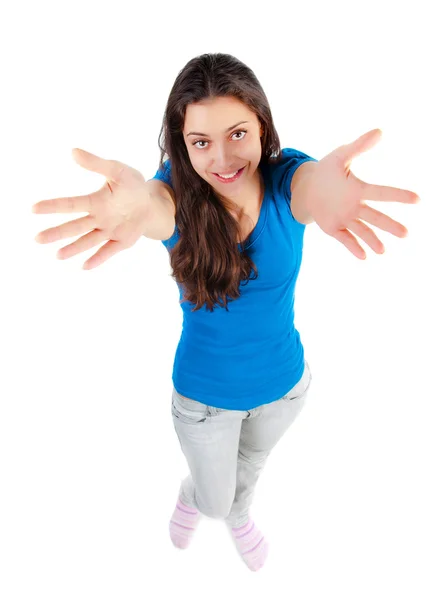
x=226, y=450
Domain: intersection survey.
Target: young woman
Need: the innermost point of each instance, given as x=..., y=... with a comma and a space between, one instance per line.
x=231, y=208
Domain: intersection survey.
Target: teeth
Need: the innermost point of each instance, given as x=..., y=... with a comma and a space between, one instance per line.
x=228, y=176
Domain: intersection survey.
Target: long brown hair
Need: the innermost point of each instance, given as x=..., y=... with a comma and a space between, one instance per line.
x=206, y=260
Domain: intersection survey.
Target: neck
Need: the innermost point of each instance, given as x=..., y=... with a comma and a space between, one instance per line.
x=250, y=197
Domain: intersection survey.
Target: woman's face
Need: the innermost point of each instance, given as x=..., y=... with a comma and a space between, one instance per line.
x=222, y=136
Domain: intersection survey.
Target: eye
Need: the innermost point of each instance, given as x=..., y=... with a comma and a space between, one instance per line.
x=240, y=131
x=199, y=142
x=244, y=131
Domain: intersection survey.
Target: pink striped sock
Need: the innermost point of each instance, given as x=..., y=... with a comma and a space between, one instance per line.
x=182, y=524
x=251, y=545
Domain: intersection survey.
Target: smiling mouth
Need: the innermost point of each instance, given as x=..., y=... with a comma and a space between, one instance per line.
x=226, y=179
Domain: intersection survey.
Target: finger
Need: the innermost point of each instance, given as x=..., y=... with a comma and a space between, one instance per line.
x=385, y=193
x=70, y=229
x=382, y=221
x=104, y=253
x=349, y=241
x=362, y=144
x=110, y=168
x=69, y=204
x=86, y=242
x=367, y=235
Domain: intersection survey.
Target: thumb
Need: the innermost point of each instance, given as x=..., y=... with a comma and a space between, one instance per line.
x=109, y=168
x=362, y=144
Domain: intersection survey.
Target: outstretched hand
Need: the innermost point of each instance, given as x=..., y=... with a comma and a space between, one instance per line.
x=335, y=198
x=117, y=213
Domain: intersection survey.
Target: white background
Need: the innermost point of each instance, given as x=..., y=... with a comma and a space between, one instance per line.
x=351, y=500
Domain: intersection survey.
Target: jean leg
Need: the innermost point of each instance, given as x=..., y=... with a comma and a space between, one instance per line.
x=209, y=440
x=259, y=434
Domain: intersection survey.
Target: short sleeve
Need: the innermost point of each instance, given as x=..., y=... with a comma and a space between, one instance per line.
x=164, y=173
x=283, y=171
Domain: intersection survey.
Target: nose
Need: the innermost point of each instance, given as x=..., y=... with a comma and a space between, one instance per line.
x=222, y=161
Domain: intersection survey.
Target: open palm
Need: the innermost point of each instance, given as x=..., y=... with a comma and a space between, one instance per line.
x=117, y=212
x=335, y=198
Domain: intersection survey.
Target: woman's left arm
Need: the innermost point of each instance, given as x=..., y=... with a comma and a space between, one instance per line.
x=328, y=193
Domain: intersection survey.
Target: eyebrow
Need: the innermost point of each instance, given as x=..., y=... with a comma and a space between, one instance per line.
x=227, y=130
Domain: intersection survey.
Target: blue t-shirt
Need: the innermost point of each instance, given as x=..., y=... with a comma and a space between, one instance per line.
x=251, y=354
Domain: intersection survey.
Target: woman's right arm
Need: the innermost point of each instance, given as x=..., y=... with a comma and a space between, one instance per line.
x=125, y=208
x=161, y=221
